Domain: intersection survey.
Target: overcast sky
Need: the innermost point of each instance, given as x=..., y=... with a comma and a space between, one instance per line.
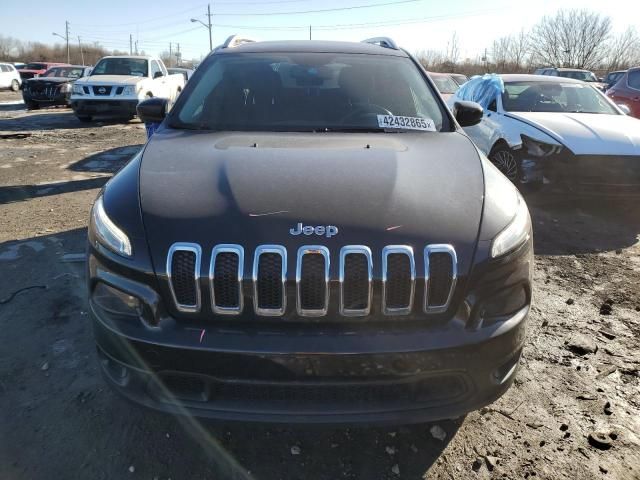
x=414, y=24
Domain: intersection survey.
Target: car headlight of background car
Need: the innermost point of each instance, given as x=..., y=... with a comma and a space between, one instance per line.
x=77, y=89
x=515, y=234
x=65, y=87
x=130, y=90
x=107, y=232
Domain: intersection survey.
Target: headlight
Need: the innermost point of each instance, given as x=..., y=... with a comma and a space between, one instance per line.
x=129, y=90
x=65, y=88
x=77, y=90
x=536, y=148
x=108, y=233
x=515, y=234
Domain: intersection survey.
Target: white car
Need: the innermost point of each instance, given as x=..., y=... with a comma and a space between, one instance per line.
x=556, y=129
x=118, y=83
x=9, y=77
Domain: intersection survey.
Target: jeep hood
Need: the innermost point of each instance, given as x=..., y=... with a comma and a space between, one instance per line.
x=252, y=188
x=588, y=133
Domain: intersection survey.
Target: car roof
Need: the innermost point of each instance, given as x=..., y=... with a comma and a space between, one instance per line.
x=516, y=77
x=312, y=46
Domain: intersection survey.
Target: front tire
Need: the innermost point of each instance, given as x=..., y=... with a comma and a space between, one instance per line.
x=15, y=85
x=32, y=106
x=84, y=118
x=507, y=162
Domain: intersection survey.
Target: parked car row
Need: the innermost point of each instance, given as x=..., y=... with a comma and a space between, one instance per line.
x=114, y=86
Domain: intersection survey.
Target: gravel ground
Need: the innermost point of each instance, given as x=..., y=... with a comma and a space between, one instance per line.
x=579, y=374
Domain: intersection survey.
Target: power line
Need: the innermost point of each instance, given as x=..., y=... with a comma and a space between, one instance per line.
x=148, y=20
x=300, y=12
x=384, y=23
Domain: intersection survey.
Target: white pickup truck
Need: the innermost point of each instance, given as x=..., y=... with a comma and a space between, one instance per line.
x=117, y=83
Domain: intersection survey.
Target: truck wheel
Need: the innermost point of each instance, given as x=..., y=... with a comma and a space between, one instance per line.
x=15, y=85
x=84, y=118
x=32, y=106
x=507, y=162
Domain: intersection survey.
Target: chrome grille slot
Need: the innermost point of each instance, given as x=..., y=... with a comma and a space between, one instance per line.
x=356, y=268
x=398, y=279
x=269, y=277
x=225, y=279
x=312, y=281
x=183, y=272
x=440, y=266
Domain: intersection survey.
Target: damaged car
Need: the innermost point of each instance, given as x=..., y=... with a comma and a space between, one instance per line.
x=309, y=236
x=563, y=131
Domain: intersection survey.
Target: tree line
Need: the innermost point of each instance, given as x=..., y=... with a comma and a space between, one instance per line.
x=570, y=38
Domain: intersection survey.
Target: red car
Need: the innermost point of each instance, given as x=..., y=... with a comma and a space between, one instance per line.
x=627, y=91
x=33, y=69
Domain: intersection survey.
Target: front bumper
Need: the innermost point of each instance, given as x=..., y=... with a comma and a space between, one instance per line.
x=51, y=100
x=333, y=373
x=280, y=381
x=107, y=107
x=590, y=175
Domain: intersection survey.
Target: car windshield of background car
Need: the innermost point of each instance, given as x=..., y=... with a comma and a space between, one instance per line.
x=554, y=97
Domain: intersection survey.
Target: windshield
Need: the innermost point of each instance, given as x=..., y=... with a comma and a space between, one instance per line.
x=35, y=66
x=306, y=92
x=137, y=67
x=578, y=75
x=444, y=83
x=554, y=97
x=66, y=72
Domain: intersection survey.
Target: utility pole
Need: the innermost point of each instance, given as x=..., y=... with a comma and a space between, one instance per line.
x=170, y=53
x=209, y=17
x=136, y=47
x=130, y=44
x=207, y=25
x=309, y=32
x=178, y=56
x=81, y=52
x=66, y=27
x=65, y=38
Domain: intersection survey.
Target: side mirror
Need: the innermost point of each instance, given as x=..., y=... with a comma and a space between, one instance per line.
x=626, y=110
x=157, y=75
x=152, y=110
x=467, y=114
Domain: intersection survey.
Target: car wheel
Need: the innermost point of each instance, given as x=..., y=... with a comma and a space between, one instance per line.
x=507, y=162
x=84, y=118
x=32, y=106
x=15, y=85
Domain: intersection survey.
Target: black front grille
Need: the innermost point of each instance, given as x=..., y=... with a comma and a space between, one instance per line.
x=269, y=281
x=313, y=287
x=440, y=278
x=399, y=284
x=225, y=285
x=183, y=267
x=102, y=90
x=356, y=282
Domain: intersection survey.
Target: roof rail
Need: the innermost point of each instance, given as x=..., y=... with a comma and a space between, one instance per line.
x=384, y=42
x=235, y=41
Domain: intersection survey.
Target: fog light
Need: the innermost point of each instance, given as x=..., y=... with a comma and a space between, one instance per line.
x=116, y=301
